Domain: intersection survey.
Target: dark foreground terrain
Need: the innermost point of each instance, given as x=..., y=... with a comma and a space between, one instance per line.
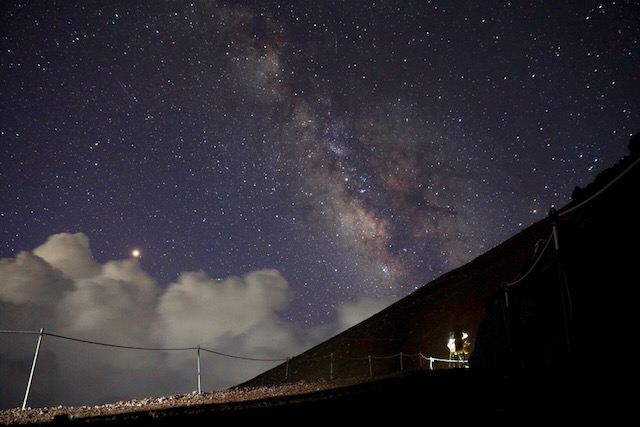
x=419, y=396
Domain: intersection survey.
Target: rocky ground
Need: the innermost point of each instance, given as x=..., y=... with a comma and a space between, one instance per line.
x=460, y=392
x=18, y=416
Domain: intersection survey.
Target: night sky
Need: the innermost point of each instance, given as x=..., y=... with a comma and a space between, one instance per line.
x=291, y=164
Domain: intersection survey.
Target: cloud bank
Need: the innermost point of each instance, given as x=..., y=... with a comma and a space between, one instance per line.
x=60, y=287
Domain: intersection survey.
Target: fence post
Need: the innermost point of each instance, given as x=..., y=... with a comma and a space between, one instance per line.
x=370, y=368
x=564, y=287
x=33, y=368
x=286, y=370
x=199, y=383
x=331, y=368
x=401, y=365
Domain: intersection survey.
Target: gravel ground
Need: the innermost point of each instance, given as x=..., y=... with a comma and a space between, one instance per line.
x=18, y=416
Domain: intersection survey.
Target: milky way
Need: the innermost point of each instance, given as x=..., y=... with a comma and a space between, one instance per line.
x=358, y=148
x=286, y=169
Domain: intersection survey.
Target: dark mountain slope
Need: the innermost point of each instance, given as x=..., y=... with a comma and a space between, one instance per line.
x=576, y=303
x=548, y=311
x=419, y=323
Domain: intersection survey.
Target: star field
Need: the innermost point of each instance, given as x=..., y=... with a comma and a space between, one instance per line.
x=361, y=149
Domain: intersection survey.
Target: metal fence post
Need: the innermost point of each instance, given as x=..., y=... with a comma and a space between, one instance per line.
x=33, y=368
x=331, y=368
x=286, y=370
x=199, y=383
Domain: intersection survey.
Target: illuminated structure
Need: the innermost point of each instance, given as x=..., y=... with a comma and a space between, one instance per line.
x=458, y=345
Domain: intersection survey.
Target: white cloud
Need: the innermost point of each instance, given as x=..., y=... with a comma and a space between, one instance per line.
x=198, y=309
x=28, y=279
x=116, y=305
x=61, y=288
x=70, y=254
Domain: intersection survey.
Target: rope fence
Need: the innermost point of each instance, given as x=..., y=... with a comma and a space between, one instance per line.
x=451, y=362
x=556, y=215
x=564, y=286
